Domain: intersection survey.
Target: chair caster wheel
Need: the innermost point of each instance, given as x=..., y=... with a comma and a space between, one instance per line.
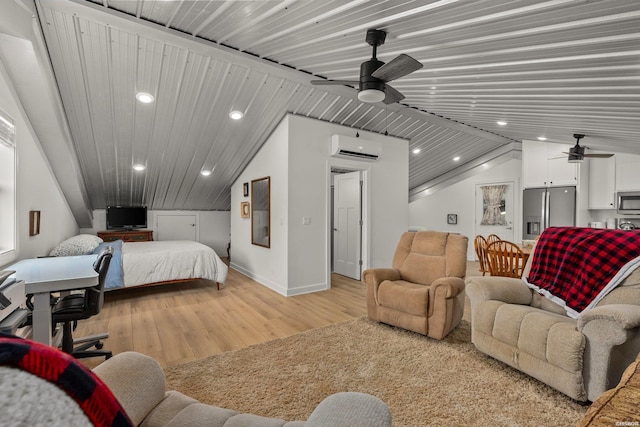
x=99, y=345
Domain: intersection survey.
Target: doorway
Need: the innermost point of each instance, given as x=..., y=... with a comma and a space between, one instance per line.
x=495, y=209
x=346, y=223
x=176, y=227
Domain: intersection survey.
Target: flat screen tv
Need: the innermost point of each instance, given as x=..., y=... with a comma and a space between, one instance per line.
x=126, y=217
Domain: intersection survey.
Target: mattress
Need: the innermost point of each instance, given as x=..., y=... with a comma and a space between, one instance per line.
x=162, y=261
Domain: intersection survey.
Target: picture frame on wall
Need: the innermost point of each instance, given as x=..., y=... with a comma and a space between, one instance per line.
x=245, y=189
x=34, y=223
x=452, y=218
x=244, y=210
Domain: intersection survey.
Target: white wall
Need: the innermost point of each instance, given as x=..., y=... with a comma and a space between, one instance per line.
x=431, y=211
x=213, y=227
x=297, y=157
x=37, y=188
x=265, y=265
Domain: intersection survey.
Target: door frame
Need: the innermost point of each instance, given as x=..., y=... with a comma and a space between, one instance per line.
x=365, y=237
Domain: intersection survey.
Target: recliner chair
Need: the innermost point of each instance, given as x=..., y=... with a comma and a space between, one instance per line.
x=79, y=306
x=424, y=291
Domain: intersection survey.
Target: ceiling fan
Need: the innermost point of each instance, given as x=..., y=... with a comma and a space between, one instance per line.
x=576, y=153
x=375, y=74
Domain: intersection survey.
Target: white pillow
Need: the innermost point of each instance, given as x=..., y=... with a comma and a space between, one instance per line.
x=82, y=244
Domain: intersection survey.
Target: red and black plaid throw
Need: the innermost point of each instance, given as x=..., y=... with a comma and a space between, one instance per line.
x=61, y=369
x=576, y=264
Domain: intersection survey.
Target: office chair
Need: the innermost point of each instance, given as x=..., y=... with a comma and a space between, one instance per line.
x=71, y=308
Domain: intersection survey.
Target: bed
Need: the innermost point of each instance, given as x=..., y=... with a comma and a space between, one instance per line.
x=145, y=263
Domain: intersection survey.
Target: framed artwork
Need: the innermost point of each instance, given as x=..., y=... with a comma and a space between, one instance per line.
x=244, y=210
x=452, y=219
x=245, y=189
x=34, y=223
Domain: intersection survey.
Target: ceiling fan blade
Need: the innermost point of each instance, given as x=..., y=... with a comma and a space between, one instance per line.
x=391, y=95
x=334, y=82
x=600, y=156
x=398, y=67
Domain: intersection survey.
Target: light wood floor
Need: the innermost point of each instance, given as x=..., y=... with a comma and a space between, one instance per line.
x=177, y=323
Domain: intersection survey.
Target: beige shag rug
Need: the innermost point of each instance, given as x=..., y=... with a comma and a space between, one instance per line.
x=425, y=382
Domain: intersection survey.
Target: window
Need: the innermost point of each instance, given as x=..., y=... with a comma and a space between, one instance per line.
x=7, y=189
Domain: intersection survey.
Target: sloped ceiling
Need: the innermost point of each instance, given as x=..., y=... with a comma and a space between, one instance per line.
x=547, y=68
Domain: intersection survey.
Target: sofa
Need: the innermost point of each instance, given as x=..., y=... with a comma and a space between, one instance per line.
x=41, y=385
x=619, y=405
x=581, y=357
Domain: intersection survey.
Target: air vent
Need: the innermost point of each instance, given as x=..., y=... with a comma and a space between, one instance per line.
x=355, y=148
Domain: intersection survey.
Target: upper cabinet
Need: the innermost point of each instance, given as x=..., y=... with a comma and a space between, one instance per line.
x=546, y=165
x=602, y=183
x=628, y=173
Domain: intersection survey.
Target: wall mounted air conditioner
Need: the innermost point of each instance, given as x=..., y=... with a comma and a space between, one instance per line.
x=355, y=148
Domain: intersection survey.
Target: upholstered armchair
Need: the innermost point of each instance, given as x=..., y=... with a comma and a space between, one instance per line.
x=424, y=290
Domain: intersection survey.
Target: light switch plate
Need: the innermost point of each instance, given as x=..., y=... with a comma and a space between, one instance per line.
x=306, y=220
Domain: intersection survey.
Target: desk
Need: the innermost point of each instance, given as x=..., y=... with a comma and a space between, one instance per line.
x=45, y=275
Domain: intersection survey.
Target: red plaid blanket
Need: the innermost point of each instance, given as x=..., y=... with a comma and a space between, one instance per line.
x=580, y=265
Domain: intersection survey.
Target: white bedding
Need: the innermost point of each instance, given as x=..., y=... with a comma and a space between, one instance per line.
x=161, y=261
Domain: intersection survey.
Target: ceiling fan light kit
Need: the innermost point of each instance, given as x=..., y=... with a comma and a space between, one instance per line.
x=371, y=96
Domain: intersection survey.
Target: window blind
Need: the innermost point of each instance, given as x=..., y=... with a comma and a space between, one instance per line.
x=7, y=130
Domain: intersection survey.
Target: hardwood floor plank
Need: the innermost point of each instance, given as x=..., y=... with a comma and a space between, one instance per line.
x=180, y=322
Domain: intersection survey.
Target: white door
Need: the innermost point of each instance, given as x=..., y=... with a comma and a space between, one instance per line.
x=488, y=222
x=347, y=224
x=176, y=227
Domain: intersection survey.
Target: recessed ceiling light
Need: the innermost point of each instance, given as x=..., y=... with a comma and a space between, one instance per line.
x=542, y=138
x=144, y=97
x=236, y=115
x=416, y=150
x=501, y=122
x=139, y=167
x=456, y=158
x=205, y=172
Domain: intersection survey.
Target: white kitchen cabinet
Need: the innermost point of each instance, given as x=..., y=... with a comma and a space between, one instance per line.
x=628, y=173
x=546, y=165
x=602, y=183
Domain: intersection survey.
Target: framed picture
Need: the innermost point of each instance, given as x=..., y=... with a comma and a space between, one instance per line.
x=244, y=210
x=245, y=189
x=34, y=223
x=452, y=219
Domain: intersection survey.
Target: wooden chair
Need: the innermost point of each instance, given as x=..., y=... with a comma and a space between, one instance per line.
x=480, y=245
x=505, y=259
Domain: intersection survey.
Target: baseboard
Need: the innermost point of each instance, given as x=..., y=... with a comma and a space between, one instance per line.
x=282, y=290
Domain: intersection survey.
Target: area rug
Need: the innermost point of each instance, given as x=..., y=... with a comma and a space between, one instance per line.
x=425, y=382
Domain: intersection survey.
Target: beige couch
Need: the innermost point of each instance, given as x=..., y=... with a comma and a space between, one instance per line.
x=581, y=358
x=138, y=383
x=424, y=290
x=618, y=406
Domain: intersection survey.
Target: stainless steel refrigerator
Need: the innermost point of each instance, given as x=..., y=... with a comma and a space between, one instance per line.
x=547, y=207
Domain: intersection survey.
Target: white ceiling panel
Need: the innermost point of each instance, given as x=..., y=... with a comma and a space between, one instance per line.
x=549, y=68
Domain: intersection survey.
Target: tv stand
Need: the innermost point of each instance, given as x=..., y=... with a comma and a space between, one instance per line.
x=126, y=235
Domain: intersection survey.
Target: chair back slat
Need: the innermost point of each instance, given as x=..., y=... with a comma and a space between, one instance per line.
x=480, y=246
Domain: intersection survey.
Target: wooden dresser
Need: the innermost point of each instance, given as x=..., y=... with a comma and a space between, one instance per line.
x=126, y=235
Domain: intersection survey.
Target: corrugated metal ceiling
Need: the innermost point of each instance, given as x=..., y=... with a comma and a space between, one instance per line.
x=548, y=68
